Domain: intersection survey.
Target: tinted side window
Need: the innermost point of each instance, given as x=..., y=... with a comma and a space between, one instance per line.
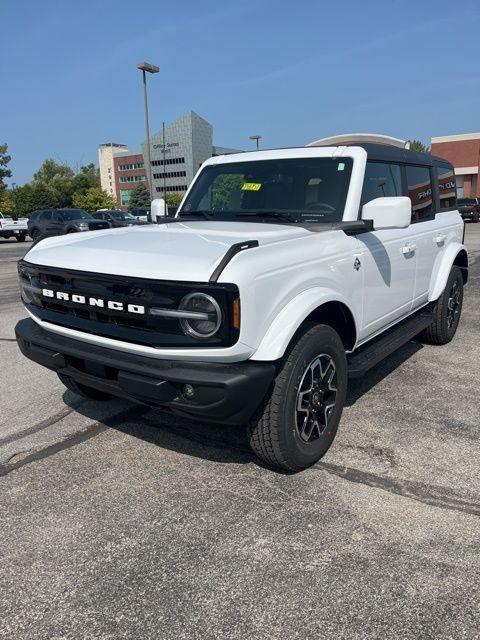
x=46, y=215
x=419, y=186
x=381, y=180
x=446, y=188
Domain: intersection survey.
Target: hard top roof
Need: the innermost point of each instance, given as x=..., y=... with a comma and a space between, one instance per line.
x=395, y=154
x=380, y=152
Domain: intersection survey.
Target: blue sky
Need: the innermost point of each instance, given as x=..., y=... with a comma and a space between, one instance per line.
x=291, y=71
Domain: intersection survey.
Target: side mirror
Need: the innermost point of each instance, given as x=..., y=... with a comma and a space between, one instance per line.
x=388, y=213
x=158, y=209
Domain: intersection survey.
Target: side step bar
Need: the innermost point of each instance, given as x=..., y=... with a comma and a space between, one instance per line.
x=370, y=354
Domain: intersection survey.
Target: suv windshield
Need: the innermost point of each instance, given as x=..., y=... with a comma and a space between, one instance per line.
x=75, y=215
x=304, y=190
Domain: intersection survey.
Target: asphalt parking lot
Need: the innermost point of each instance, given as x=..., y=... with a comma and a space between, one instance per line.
x=118, y=521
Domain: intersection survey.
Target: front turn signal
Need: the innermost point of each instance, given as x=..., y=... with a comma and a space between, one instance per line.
x=236, y=314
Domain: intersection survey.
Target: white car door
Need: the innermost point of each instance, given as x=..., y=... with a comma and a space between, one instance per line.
x=431, y=237
x=388, y=257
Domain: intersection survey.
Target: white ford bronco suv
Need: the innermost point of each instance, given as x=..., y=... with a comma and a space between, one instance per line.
x=283, y=273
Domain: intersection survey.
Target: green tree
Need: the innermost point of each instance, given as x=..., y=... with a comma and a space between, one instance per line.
x=23, y=201
x=61, y=188
x=87, y=177
x=57, y=178
x=4, y=171
x=95, y=198
x=41, y=197
x=140, y=198
x=49, y=169
x=173, y=198
x=417, y=145
x=7, y=202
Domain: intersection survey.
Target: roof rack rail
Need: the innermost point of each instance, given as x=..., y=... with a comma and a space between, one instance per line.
x=355, y=138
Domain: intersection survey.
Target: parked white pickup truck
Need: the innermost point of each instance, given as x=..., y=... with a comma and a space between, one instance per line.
x=10, y=228
x=284, y=273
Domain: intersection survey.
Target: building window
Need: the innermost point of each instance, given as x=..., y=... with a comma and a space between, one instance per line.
x=171, y=174
x=420, y=192
x=161, y=163
x=446, y=188
x=131, y=167
x=178, y=188
x=132, y=178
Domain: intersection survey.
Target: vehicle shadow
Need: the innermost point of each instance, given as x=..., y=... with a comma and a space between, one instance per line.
x=213, y=442
x=359, y=386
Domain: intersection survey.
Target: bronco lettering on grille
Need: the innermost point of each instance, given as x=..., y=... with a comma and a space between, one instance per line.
x=114, y=305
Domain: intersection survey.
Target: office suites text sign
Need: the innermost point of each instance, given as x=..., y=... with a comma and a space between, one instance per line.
x=166, y=148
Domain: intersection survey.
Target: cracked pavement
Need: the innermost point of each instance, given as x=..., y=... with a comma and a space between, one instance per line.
x=119, y=521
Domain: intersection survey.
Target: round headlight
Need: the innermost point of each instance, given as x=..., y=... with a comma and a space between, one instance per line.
x=203, y=315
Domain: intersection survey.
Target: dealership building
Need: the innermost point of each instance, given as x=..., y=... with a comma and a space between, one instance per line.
x=463, y=151
x=177, y=152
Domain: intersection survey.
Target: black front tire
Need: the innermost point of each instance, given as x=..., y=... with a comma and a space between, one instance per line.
x=20, y=238
x=475, y=217
x=274, y=433
x=82, y=390
x=447, y=310
x=35, y=234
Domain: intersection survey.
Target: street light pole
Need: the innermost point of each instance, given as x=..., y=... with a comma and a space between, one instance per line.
x=146, y=67
x=257, y=139
x=15, y=198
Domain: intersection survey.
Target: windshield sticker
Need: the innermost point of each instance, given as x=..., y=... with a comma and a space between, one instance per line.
x=341, y=166
x=251, y=186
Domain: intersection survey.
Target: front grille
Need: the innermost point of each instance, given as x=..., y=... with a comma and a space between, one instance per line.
x=138, y=328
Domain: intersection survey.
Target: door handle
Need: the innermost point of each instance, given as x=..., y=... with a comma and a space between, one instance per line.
x=408, y=249
x=440, y=239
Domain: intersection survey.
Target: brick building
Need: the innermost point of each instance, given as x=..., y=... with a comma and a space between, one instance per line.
x=463, y=151
x=129, y=170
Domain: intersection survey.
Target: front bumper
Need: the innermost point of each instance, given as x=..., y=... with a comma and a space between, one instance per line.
x=226, y=393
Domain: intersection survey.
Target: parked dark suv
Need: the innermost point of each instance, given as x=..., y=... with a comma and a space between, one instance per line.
x=469, y=208
x=56, y=222
x=118, y=218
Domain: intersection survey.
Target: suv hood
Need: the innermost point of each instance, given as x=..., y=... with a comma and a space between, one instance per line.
x=183, y=251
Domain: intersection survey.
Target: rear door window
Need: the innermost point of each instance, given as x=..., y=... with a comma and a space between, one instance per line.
x=382, y=179
x=447, y=189
x=419, y=186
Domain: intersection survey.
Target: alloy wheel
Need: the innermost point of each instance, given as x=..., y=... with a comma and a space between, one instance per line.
x=453, y=304
x=316, y=398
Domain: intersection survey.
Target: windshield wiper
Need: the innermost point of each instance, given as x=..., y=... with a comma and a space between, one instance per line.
x=185, y=214
x=268, y=214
